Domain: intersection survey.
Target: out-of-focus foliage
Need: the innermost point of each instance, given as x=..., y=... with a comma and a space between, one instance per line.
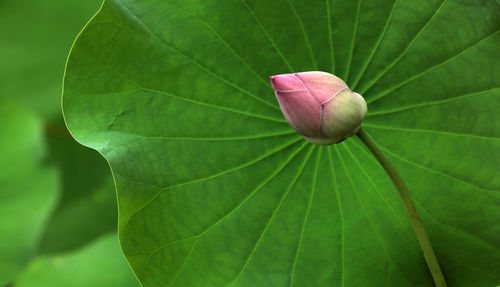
x=88, y=207
x=92, y=265
x=28, y=188
x=35, y=37
x=57, y=204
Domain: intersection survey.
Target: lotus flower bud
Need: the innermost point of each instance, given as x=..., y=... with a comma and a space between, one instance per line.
x=319, y=105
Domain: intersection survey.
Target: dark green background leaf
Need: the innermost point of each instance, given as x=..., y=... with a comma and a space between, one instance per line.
x=215, y=188
x=87, y=208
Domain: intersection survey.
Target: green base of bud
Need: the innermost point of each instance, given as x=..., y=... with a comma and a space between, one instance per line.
x=320, y=140
x=330, y=141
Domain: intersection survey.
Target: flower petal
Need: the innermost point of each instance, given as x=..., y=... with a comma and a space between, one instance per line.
x=321, y=85
x=301, y=111
x=286, y=82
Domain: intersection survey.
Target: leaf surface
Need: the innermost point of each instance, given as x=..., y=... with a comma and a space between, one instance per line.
x=216, y=189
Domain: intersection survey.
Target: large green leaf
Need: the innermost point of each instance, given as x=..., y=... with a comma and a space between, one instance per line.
x=215, y=188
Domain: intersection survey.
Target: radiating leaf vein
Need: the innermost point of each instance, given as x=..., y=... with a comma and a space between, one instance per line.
x=263, y=29
x=374, y=186
x=241, y=204
x=226, y=44
x=431, y=170
x=363, y=210
x=275, y=211
x=353, y=41
x=375, y=47
x=432, y=103
x=341, y=214
x=209, y=139
x=192, y=60
x=249, y=163
x=389, y=67
x=227, y=109
x=447, y=133
x=304, y=32
x=414, y=77
x=330, y=36
x=306, y=216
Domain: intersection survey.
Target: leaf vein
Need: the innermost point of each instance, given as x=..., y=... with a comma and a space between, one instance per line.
x=332, y=55
x=375, y=48
x=192, y=60
x=275, y=211
x=380, y=195
x=263, y=29
x=208, y=139
x=232, y=211
x=227, y=109
x=223, y=41
x=432, y=103
x=306, y=216
x=430, y=169
x=414, y=77
x=363, y=209
x=252, y=162
x=341, y=214
x=306, y=37
x=410, y=44
x=447, y=133
x=353, y=41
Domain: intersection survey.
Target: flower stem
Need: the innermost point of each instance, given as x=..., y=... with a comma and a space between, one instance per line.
x=418, y=227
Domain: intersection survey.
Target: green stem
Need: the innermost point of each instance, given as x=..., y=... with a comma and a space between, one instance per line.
x=418, y=227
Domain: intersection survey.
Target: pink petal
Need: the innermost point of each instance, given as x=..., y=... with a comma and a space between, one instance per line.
x=301, y=111
x=321, y=85
x=286, y=82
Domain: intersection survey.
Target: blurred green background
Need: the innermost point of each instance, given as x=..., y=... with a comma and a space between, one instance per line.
x=58, y=212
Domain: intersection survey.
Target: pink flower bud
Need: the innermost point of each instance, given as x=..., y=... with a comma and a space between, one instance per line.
x=319, y=105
